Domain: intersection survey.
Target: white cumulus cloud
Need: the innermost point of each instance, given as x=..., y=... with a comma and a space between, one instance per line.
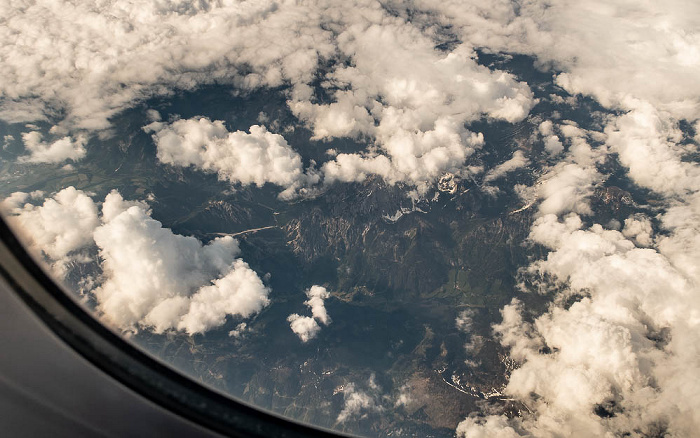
x=159, y=279
x=412, y=99
x=628, y=343
x=358, y=403
x=60, y=150
x=609, y=50
x=307, y=327
x=257, y=157
x=385, y=79
x=87, y=61
x=58, y=228
x=517, y=161
x=151, y=277
x=316, y=302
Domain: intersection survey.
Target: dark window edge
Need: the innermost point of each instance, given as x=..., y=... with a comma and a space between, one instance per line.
x=132, y=367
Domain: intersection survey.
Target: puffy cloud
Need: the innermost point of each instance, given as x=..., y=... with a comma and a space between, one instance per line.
x=89, y=61
x=239, y=330
x=400, y=79
x=638, y=228
x=390, y=84
x=682, y=243
x=546, y=128
x=13, y=202
x=567, y=187
x=413, y=99
x=415, y=158
x=515, y=333
x=517, y=161
x=627, y=347
x=317, y=295
x=58, y=228
x=622, y=357
x=306, y=327
x=355, y=403
x=303, y=326
x=646, y=141
x=159, y=279
x=7, y=140
x=614, y=348
x=492, y=426
x=114, y=204
x=464, y=320
x=404, y=396
x=553, y=145
x=150, y=277
x=610, y=50
x=240, y=292
x=60, y=150
x=257, y=157
x=385, y=79
x=359, y=403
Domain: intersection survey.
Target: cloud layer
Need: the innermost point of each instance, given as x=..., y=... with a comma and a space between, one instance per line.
x=76, y=65
x=622, y=358
x=609, y=50
x=90, y=61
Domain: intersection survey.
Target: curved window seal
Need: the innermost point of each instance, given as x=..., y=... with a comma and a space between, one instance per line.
x=131, y=366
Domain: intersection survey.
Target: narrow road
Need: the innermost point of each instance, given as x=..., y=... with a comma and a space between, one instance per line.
x=244, y=232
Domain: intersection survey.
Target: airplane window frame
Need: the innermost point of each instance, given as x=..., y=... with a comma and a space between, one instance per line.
x=129, y=365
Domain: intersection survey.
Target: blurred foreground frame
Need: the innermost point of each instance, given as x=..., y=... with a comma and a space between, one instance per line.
x=131, y=367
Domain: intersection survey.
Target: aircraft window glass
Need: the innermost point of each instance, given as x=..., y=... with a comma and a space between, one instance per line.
x=383, y=219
